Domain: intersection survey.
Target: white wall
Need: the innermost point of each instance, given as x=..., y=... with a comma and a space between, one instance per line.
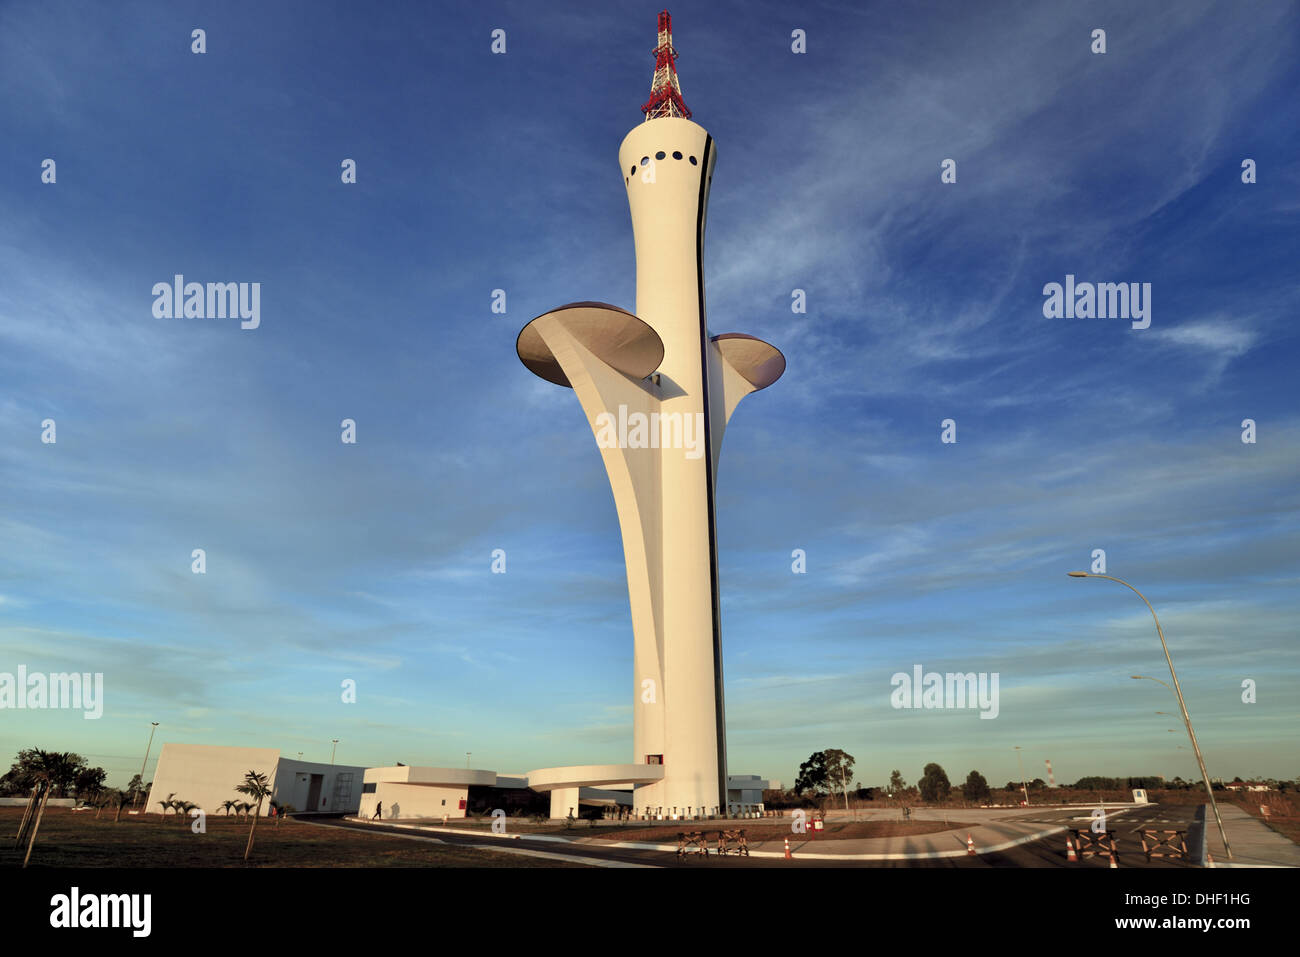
x=208, y=775
x=293, y=785
x=404, y=801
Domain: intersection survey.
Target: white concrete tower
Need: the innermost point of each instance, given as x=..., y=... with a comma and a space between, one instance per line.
x=658, y=392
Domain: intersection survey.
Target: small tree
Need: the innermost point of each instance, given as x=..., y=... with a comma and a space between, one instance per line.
x=166, y=804
x=934, y=784
x=89, y=784
x=976, y=788
x=227, y=806
x=839, y=771
x=813, y=775
x=896, y=782
x=255, y=786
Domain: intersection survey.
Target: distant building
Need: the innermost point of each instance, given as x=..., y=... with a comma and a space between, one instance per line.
x=745, y=790
x=1248, y=786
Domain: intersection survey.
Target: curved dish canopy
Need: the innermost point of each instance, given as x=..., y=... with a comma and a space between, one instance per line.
x=613, y=335
x=759, y=363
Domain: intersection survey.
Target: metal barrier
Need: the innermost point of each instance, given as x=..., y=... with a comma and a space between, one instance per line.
x=693, y=839
x=1174, y=846
x=1095, y=844
x=733, y=842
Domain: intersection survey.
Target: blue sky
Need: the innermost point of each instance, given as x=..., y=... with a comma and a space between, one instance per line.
x=477, y=172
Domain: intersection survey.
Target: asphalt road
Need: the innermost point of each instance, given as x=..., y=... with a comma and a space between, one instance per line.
x=1050, y=852
x=1045, y=852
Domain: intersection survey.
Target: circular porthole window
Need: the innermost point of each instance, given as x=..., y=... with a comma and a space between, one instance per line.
x=660, y=155
x=645, y=161
x=677, y=154
x=694, y=162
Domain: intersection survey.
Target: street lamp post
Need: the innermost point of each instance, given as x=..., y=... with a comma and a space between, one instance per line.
x=334, y=749
x=1023, y=786
x=467, y=754
x=146, y=754
x=1182, y=705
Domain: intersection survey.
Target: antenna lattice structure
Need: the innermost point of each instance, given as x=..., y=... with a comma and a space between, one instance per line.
x=665, y=91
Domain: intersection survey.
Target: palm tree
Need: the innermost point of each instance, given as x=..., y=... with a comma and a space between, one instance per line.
x=183, y=809
x=244, y=808
x=121, y=799
x=255, y=786
x=40, y=797
x=228, y=806
x=53, y=769
x=59, y=768
x=166, y=804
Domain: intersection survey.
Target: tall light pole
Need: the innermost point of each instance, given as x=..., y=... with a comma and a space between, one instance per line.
x=146, y=754
x=334, y=749
x=1182, y=705
x=467, y=754
x=1024, y=787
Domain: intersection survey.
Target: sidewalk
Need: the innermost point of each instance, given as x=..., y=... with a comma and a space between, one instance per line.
x=1254, y=843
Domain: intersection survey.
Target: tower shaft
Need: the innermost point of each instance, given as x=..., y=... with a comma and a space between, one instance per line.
x=662, y=366
x=679, y=646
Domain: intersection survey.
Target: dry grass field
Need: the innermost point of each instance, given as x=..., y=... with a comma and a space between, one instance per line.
x=69, y=839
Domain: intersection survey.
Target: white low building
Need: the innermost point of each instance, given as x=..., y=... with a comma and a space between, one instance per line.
x=745, y=793
x=406, y=792
x=401, y=792
x=208, y=775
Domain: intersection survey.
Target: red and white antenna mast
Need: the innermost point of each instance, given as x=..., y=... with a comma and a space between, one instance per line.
x=665, y=91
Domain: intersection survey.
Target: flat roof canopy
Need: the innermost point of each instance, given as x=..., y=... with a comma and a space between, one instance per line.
x=594, y=776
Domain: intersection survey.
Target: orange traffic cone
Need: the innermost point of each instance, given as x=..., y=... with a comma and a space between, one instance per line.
x=1112, y=860
x=787, y=849
x=1069, y=847
x=970, y=845
x=1209, y=859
